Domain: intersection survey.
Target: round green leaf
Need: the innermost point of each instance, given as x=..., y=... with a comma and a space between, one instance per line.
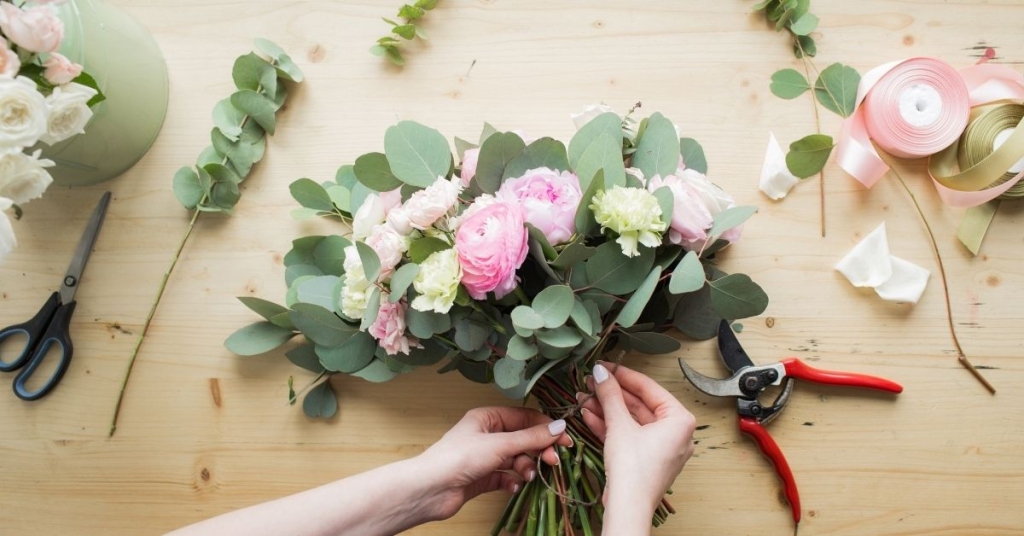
x=695, y=317
x=561, y=337
x=649, y=342
x=666, y=201
x=351, y=355
x=554, y=304
x=526, y=319
x=788, y=84
x=259, y=108
x=631, y=311
x=581, y=317
x=187, y=188
x=508, y=372
x=598, y=146
x=520, y=348
x=401, y=280
x=495, y=155
x=688, y=275
x=311, y=194
x=418, y=155
x=320, y=325
x=736, y=296
x=377, y=372
x=320, y=401
x=543, y=153
x=304, y=355
x=471, y=335
x=370, y=261
x=836, y=88
x=613, y=272
x=329, y=254
x=228, y=119
x=730, y=218
x=808, y=155
x=257, y=338
x=318, y=291
x=373, y=170
x=264, y=308
x=425, y=324
x=693, y=155
x=657, y=150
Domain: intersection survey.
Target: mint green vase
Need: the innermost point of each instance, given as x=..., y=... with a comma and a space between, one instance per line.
x=128, y=67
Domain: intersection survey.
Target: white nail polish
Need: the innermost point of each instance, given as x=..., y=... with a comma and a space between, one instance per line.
x=531, y=475
x=556, y=427
x=600, y=373
x=515, y=489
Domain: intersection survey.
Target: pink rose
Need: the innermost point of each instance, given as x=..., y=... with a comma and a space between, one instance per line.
x=690, y=218
x=425, y=206
x=389, y=247
x=9, y=62
x=60, y=70
x=549, y=200
x=491, y=245
x=36, y=29
x=714, y=198
x=389, y=328
x=469, y=166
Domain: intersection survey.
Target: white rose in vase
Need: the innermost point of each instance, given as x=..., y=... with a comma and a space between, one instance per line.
x=23, y=177
x=69, y=112
x=23, y=113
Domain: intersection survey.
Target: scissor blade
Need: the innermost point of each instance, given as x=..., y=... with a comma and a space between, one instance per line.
x=711, y=386
x=92, y=230
x=733, y=355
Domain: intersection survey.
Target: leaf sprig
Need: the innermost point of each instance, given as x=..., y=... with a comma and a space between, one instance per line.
x=389, y=45
x=238, y=139
x=795, y=17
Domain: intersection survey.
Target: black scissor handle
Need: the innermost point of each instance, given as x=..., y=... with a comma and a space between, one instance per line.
x=33, y=330
x=57, y=333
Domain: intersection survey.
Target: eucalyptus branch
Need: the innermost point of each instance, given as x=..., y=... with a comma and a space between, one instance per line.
x=961, y=357
x=389, y=45
x=238, y=142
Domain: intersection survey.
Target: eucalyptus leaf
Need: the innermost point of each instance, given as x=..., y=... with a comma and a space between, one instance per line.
x=187, y=188
x=526, y=320
x=259, y=108
x=573, y=254
x=209, y=155
x=228, y=119
x=657, y=150
x=461, y=146
x=470, y=335
x=598, y=146
x=553, y=304
x=581, y=317
x=808, y=155
x=688, y=275
x=636, y=303
x=789, y=84
x=666, y=201
x=430, y=354
x=693, y=155
x=304, y=355
x=320, y=325
x=372, y=310
x=422, y=248
x=268, y=47
x=320, y=401
x=425, y=324
x=303, y=213
x=329, y=254
x=560, y=337
x=508, y=372
x=287, y=69
x=736, y=296
x=340, y=196
x=264, y=308
x=254, y=73
x=584, y=219
x=417, y=154
x=548, y=252
x=520, y=348
x=495, y=154
x=804, y=45
x=239, y=153
x=804, y=25
x=649, y=342
x=225, y=194
x=257, y=338
x=352, y=355
x=694, y=315
x=521, y=390
x=730, y=218
x=613, y=272
x=373, y=170
x=487, y=131
x=543, y=153
x=311, y=194
x=293, y=273
x=475, y=371
x=836, y=88
x=401, y=280
x=369, y=260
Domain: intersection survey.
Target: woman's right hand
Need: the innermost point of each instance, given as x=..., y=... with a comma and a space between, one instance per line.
x=648, y=437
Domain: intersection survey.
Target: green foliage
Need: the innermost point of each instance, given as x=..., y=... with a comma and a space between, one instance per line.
x=788, y=84
x=658, y=149
x=793, y=16
x=808, y=155
x=836, y=88
x=693, y=155
x=258, y=338
x=418, y=155
x=736, y=296
x=688, y=275
x=320, y=401
x=239, y=138
x=598, y=147
x=496, y=153
x=389, y=46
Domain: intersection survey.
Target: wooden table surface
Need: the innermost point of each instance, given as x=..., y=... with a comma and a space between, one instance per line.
x=203, y=431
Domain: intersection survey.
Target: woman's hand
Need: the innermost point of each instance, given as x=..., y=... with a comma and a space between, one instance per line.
x=489, y=449
x=648, y=436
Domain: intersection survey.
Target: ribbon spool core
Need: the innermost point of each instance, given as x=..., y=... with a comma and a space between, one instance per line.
x=920, y=105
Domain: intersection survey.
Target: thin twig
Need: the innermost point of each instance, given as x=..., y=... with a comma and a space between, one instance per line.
x=817, y=123
x=960, y=355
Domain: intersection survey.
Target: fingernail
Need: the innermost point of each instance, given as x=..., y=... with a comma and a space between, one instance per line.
x=600, y=373
x=556, y=427
x=530, y=475
x=580, y=396
x=515, y=489
x=571, y=442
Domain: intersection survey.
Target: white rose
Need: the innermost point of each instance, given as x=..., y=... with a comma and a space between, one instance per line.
x=589, y=113
x=355, y=293
x=7, y=238
x=23, y=113
x=22, y=177
x=69, y=112
x=713, y=197
x=369, y=215
x=389, y=247
x=426, y=206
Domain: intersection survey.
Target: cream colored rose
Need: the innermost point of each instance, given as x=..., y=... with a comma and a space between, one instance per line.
x=7, y=238
x=69, y=112
x=23, y=113
x=23, y=177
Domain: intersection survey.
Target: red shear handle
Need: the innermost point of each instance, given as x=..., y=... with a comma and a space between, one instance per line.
x=802, y=371
x=768, y=446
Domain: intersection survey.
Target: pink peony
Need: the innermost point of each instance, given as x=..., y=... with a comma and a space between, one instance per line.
x=389, y=247
x=36, y=29
x=714, y=198
x=60, y=70
x=492, y=244
x=9, y=62
x=690, y=217
x=549, y=200
x=389, y=328
x=469, y=166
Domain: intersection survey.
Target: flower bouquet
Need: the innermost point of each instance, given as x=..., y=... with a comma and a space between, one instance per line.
x=520, y=267
x=44, y=97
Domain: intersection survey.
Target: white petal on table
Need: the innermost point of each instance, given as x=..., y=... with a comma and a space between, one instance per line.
x=868, y=264
x=776, y=180
x=906, y=284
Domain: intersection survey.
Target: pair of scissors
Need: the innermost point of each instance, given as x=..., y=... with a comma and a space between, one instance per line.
x=747, y=383
x=49, y=327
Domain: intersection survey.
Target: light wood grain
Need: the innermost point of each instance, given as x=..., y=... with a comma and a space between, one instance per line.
x=203, y=432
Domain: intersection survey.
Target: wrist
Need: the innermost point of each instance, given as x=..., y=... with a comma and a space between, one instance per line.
x=628, y=512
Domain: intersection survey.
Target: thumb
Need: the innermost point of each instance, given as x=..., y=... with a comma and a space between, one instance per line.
x=532, y=439
x=609, y=393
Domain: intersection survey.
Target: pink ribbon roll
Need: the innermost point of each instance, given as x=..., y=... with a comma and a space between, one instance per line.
x=911, y=109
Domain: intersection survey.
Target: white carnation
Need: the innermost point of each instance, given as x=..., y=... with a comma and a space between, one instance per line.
x=22, y=176
x=7, y=238
x=355, y=293
x=369, y=215
x=437, y=282
x=23, y=113
x=69, y=112
x=589, y=113
x=633, y=214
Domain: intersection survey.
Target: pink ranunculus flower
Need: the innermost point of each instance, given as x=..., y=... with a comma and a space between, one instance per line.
x=389, y=247
x=389, y=328
x=36, y=29
x=714, y=198
x=492, y=244
x=469, y=159
x=60, y=70
x=690, y=217
x=425, y=206
x=9, y=62
x=549, y=200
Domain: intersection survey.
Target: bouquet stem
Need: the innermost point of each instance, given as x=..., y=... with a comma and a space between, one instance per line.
x=564, y=499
